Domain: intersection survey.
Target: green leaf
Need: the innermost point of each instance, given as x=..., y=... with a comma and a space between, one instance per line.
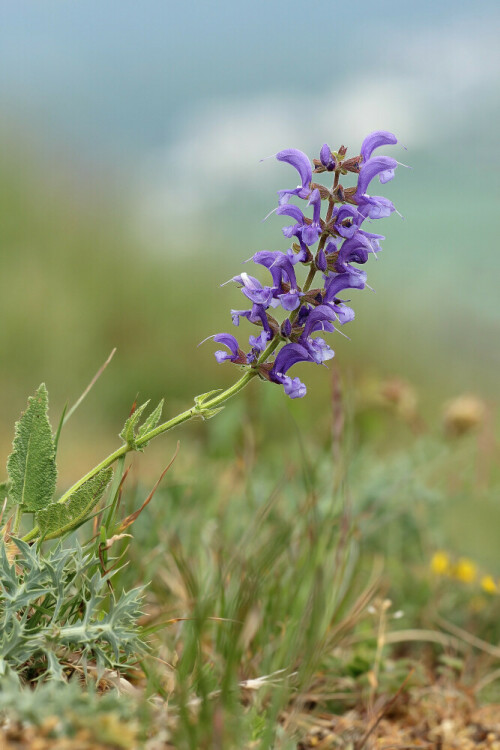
x=150, y=423
x=128, y=432
x=60, y=518
x=31, y=465
x=4, y=493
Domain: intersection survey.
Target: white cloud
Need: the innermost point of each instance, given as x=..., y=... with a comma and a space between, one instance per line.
x=441, y=79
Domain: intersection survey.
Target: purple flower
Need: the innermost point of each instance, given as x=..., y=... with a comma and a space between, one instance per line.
x=282, y=271
x=294, y=387
x=353, y=250
x=259, y=342
x=352, y=279
x=308, y=233
x=301, y=162
x=374, y=140
x=349, y=214
x=319, y=350
x=236, y=355
x=375, y=206
x=253, y=289
x=319, y=319
x=326, y=158
x=378, y=165
x=279, y=265
x=288, y=356
x=256, y=315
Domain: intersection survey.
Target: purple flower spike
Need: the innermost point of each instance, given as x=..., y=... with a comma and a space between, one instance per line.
x=371, y=168
x=301, y=162
x=326, y=158
x=236, y=355
x=374, y=140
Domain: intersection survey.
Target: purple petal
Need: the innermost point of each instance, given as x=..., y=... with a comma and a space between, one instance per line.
x=290, y=301
x=321, y=260
x=287, y=357
x=319, y=349
x=228, y=340
x=315, y=200
x=351, y=280
x=259, y=342
x=286, y=328
x=300, y=161
x=344, y=313
x=354, y=250
x=290, y=210
x=374, y=140
x=294, y=388
x=319, y=319
x=310, y=234
x=372, y=168
x=326, y=157
x=376, y=206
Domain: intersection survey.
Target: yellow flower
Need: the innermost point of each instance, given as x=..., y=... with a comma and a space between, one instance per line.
x=488, y=584
x=465, y=570
x=440, y=564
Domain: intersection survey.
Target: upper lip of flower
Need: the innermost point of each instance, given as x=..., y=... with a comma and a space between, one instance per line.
x=300, y=161
x=374, y=140
x=370, y=169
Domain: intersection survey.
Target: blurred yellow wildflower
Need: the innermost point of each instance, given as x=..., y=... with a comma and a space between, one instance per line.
x=465, y=570
x=440, y=564
x=463, y=414
x=488, y=584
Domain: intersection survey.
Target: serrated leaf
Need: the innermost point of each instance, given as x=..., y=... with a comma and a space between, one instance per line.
x=31, y=465
x=150, y=423
x=128, y=432
x=60, y=518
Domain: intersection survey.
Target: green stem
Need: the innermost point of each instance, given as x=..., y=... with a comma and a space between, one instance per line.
x=17, y=520
x=174, y=422
x=184, y=416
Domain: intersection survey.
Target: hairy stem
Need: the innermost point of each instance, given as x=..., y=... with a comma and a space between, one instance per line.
x=194, y=411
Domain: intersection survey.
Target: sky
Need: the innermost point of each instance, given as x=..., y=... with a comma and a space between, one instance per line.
x=181, y=101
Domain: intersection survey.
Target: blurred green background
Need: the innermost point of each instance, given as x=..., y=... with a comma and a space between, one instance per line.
x=131, y=187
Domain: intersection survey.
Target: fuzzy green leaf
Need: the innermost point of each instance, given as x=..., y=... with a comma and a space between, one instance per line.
x=128, y=432
x=150, y=423
x=31, y=465
x=60, y=518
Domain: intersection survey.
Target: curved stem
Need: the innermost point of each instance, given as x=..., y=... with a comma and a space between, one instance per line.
x=170, y=424
x=196, y=410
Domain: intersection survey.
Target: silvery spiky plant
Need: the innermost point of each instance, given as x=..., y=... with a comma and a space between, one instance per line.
x=39, y=616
